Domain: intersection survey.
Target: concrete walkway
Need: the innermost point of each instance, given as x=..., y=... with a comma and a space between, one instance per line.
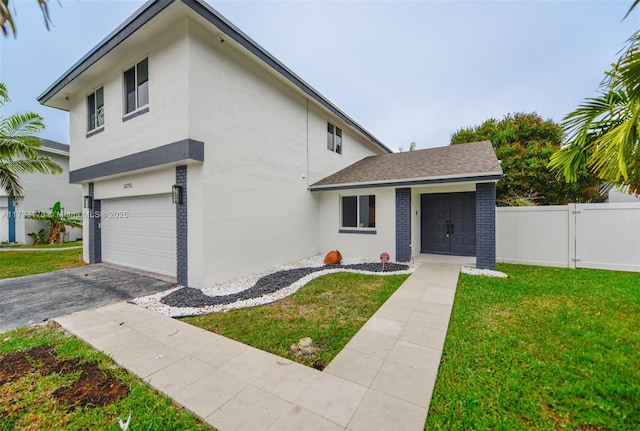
x=382, y=380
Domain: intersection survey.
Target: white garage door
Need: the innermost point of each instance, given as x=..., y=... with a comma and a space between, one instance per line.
x=140, y=232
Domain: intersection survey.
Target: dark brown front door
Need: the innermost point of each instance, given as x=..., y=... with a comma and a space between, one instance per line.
x=448, y=223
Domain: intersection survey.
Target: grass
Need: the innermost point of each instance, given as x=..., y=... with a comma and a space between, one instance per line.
x=61, y=245
x=27, y=403
x=546, y=349
x=21, y=263
x=330, y=309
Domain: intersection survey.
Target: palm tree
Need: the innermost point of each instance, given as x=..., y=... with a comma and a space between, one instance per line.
x=603, y=133
x=19, y=149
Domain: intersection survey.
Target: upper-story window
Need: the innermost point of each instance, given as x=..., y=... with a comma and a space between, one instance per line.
x=95, y=107
x=136, y=86
x=334, y=138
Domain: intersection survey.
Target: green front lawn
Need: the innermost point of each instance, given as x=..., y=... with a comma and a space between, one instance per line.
x=329, y=309
x=61, y=245
x=20, y=263
x=547, y=349
x=75, y=388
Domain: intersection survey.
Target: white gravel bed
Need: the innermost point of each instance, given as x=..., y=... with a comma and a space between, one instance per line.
x=244, y=282
x=485, y=272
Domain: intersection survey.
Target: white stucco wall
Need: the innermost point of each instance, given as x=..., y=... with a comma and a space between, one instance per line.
x=264, y=144
x=198, y=220
x=249, y=207
x=166, y=121
x=354, y=245
x=41, y=192
x=621, y=196
x=138, y=184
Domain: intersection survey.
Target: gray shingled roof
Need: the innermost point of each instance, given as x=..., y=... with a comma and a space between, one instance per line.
x=49, y=144
x=442, y=164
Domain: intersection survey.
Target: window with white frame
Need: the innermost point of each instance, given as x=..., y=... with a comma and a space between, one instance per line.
x=334, y=138
x=359, y=211
x=136, y=86
x=95, y=108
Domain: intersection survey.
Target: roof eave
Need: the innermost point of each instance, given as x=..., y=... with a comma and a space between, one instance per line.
x=151, y=9
x=408, y=182
x=139, y=18
x=215, y=18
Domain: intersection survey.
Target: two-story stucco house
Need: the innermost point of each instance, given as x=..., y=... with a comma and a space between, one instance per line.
x=203, y=157
x=41, y=191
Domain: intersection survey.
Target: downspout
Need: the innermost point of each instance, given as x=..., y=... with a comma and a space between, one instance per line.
x=307, y=174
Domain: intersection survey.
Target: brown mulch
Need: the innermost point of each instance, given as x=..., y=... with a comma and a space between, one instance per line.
x=93, y=387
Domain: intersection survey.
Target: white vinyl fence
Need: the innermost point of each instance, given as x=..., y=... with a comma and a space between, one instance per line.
x=603, y=236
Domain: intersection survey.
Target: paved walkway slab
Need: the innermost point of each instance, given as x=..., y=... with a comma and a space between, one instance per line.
x=382, y=380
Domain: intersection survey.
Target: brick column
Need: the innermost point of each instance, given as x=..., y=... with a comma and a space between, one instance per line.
x=182, y=251
x=95, y=235
x=486, y=225
x=403, y=225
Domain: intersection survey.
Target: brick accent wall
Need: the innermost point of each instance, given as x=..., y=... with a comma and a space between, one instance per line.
x=182, y=252
x=403, y=225
x=486, y=225
x=95, y=235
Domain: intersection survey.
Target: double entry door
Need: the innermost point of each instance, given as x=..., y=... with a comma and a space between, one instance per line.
x=448, y=223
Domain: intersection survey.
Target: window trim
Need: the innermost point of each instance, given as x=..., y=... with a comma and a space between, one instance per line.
x=356, y=229
x=335, y=132
x=139, y=109
x=99, y=127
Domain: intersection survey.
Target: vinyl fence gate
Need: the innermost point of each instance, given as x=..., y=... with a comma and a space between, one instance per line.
x=601, y=236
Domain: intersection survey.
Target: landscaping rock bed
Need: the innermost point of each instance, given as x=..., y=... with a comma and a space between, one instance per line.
x=258, y=288
x=190, y=297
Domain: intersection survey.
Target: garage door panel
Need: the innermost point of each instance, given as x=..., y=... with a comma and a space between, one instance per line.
x=140, y=233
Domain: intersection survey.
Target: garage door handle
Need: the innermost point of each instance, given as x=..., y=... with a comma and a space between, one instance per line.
x=449, y=228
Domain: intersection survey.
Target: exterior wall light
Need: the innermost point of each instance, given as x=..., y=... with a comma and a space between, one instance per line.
x=176, y=194
x=88, y=202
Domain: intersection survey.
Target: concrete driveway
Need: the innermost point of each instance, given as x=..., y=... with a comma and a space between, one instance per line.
x=36, y=298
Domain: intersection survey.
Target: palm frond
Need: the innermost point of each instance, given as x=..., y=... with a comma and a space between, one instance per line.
x=625, y=74
x=21, y=125
x=4, y=94
x=10, y=182
x=635, y=3
x=39, y=164
x=6, y=20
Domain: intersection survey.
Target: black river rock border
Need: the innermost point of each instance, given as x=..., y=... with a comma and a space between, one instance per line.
x=195, y=298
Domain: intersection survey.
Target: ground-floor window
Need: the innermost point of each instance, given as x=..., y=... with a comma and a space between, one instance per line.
x=359, y=211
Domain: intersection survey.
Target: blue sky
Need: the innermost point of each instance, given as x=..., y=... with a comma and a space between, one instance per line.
x=405, y=70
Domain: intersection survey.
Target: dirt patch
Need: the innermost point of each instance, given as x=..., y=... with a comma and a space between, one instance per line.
x=95, y=387
x=92, y=386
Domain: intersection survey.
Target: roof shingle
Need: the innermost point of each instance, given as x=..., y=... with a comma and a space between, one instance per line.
x=475, y=159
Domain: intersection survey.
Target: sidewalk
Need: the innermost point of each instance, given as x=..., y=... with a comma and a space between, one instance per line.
x=382, y=380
